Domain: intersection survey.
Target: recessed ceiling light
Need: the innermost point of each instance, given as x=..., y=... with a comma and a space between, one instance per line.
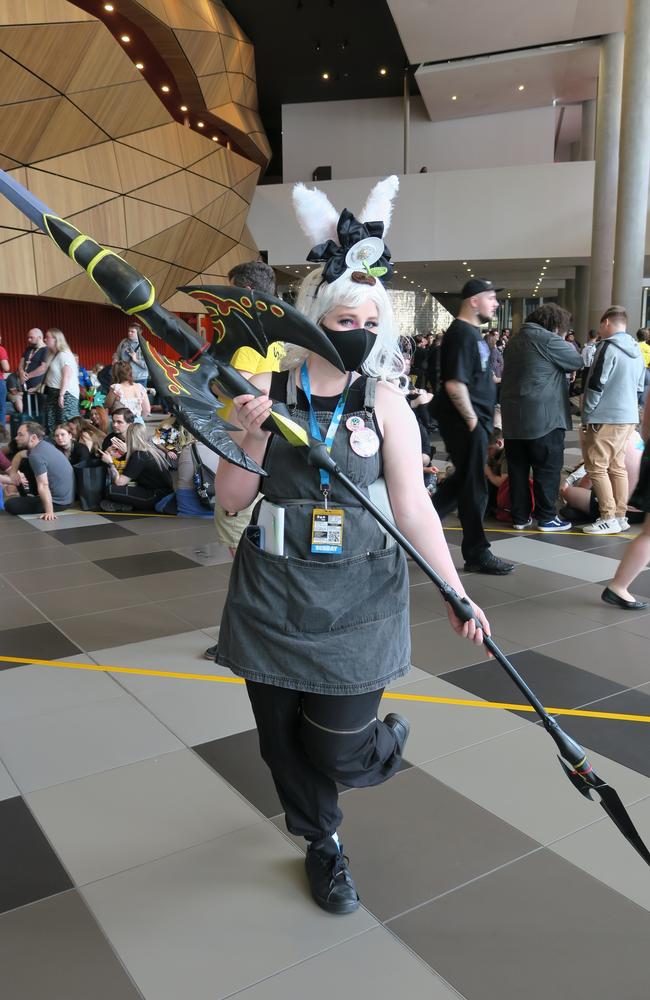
x=454, y=97
x=183, y=107
x=464, y=262
x=125, y=38
x=383, y=71
x=200, y=124
x=139, y=65
x=109, y=7
x=326, y=76
x=215, y=138
x=521, y=87
x=472, y=275
x=165, y=89
x=548, y=260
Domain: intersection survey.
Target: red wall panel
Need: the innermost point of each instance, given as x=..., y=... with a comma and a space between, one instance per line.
x=92, y=331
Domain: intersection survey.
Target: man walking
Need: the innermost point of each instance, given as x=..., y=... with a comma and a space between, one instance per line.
x=609, y=415
x=536, y=413
x=465, y=414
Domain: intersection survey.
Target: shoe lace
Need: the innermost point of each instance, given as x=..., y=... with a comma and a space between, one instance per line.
x=340, y=870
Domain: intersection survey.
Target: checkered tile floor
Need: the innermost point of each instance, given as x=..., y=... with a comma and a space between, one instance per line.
x=142, y=850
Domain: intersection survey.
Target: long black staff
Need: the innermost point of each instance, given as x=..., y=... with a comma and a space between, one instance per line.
x=186, y=386
x=572, y=757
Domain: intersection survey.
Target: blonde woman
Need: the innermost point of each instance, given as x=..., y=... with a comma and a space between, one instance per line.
x=61, y=382
x=146, y=477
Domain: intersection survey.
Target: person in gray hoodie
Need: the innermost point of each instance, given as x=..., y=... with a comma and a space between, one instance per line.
x=535, y=414
x=610, y=413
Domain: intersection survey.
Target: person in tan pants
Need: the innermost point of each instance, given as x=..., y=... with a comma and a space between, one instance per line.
x=609, y=415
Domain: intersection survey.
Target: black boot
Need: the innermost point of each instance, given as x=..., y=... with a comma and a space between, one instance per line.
x=330, y=881
x=400, y=726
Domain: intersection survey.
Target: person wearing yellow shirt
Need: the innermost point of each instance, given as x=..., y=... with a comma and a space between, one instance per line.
x=643, y=337
x=256, y=276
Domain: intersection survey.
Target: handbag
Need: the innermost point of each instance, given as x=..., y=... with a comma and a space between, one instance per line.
x=90, y=481
x=203, y=480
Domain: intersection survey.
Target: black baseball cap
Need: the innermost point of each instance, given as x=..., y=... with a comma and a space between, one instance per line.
x=477, y=285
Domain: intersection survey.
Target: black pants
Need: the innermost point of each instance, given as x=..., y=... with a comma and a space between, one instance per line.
x=29, y=505
x=134, y=496
x=310, y=742
x=544, y=456
x=466, y=488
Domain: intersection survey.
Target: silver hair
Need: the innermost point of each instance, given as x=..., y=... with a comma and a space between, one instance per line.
x=316, y=298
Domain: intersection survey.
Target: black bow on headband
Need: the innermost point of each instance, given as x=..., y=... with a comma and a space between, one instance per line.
x=350, y=231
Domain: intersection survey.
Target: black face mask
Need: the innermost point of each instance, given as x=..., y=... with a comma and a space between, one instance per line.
x=353, y=346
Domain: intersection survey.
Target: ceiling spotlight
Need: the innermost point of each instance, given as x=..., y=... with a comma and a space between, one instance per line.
x=165, y=89
x=454, y=97
x=544, y=267
x=109, y=7
x=139, y=65
x=383, y=71
x=215, y=138
x=200, y=124
x=464, y=262
x=548, y=260
x=326, y=75
x=125, y=38
x=521, y=87
x=472, y=274
x=183, y=107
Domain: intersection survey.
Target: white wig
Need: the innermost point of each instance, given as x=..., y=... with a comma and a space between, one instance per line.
x=317, y=298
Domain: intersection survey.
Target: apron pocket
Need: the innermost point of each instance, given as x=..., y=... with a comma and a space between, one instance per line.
x=344, y=593
x=258, y=583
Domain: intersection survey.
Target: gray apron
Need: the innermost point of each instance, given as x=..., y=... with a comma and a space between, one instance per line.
x=317, y=622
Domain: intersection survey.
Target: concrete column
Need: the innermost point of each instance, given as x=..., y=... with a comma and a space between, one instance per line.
x=569, y=297
x=588, y=130
x=608, y=116
x=581, y=303
x=561, y=297
x=634, y=158
x=407, y=120
x=517, y=314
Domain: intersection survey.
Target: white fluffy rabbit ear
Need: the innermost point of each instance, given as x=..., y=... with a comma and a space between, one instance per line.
x=316, y=214
x=379, y=206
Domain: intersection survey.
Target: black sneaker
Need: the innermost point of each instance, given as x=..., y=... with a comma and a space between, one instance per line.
x=489, y=563
x=400, y=726
x=211, y=652
x=330, y=881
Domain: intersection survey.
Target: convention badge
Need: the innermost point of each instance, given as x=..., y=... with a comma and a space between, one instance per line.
x=354, y=423
x=364, y=442
x=327, y=530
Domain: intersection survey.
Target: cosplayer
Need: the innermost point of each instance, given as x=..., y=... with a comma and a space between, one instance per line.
x=316, y=619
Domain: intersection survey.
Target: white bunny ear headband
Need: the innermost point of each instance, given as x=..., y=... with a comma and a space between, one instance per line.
x=342, y=242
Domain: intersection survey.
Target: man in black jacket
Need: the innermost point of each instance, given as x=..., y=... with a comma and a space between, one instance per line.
x=536, y=414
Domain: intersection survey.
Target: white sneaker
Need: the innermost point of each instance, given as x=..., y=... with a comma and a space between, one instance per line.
x=603, y=527
x=624, y=523
x=524, y=525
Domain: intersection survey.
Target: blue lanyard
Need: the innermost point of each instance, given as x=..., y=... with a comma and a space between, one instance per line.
x=313, y=423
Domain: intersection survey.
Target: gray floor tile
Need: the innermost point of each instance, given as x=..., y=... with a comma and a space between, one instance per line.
x=532, y=923
x=585, y=601
x=245, y=887
x=44, y=750
x=145, y=564
x=156, y=525
x=436, y=729
x=602, y=852
x=65, y=519
x=523, y=624
x=611, y=652
x=199, y=610
x=133, y=624
x=23, y=543
x=90, y=533
x=29, y=868
x=526, y=581
x=174, y=586
x=7, y=788
x=16, y=612
x=34, y=690
x=13, y=526
x=42, y=558
x=556, y=559
x=35, y=581
x=42, y=642
x=237, y=759
x=205, y=553
x=425, y=604
x=518, y=777
x=386, y=828
x=122, y=818
x=54, y=949
x=436, y=648
x=111, y=595
x=175, y=653
x=132, y=546
x=641, y=585
x=372, y=964
x=635, y=624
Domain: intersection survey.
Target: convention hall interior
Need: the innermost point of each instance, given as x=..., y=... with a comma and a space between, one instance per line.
x=144, y=850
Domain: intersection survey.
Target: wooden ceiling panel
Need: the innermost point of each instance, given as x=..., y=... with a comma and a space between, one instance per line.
x=163, y=142
x=10, y=216
x=215, y=89
x=123, y=109
x=103, y=64
x=213, y=214
x=40, y=12
x=92, y=165
x=176, y=276
x=248, y=61
x=105, y=223
x=203, y=49
x=193, y=14
x=214, y=167
x=39, y=48
x=248, y=240
x=170, y=192
x=6, y=162
x=234, y=206
x=155, y=7
x=144, y=220
x=136, y=168
x=9, y=234
x=225, y=22
x=181, y=302
x=235, y=227
x=52, y=266
x=64, y=196
x=232, y=54
x=76, y=288
x=22, y=125
x=65, y=130
x=18, y=84
x=238, y=255
x=246, y=188
x=17, y=267
x=190, y=244
x=237, y=84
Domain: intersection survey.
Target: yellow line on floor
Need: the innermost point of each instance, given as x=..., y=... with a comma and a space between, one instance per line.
x=392, y=695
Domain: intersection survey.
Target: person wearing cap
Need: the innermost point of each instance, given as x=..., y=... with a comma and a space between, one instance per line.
x=465, y=414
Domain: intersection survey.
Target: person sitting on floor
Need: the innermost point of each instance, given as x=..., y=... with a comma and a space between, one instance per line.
x=47, y=473
x=74, y=450
x=146, y=478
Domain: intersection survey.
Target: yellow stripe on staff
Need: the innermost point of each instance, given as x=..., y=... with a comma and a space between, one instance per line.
x=392, y=695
